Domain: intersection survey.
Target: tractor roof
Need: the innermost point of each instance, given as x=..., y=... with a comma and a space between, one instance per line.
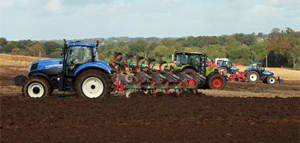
x=190, y=53
x=69, y=44
x=257, y=63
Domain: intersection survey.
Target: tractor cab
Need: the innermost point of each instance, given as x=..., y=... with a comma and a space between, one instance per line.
x=190, y=60
x=256, y=67
x=78, y=53
x=227, y=64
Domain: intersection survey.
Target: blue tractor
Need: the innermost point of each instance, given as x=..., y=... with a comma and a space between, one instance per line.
x=79, y=70
x=256, y=72
x=226, y=65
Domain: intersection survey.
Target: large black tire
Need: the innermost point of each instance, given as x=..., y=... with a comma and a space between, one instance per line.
x=93, y=83
x=216, y=81
x=36, y=87
x=253, y=76
x=271, y=80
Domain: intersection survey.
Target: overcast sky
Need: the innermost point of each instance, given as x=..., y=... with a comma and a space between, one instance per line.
x=73, y=19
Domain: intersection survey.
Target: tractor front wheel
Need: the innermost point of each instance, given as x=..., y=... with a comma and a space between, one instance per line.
x=93, y=84
x=216, y=81
x=253, y=76
x=36, y=87
x=271, y=80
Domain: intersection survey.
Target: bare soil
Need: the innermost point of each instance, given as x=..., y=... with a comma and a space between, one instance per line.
x=150, y=119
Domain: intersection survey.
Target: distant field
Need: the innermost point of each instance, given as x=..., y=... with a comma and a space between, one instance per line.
x=283, y=73
x=16, y=62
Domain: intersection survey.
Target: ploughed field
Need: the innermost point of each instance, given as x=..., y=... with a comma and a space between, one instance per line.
x=243, y=112
x=150, y=119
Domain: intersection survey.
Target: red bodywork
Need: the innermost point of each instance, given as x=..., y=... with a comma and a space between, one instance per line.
x=237, y=76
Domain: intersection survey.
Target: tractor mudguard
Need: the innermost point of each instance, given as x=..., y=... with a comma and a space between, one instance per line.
x=99, y=64
x=39, y=74
x=176, y=68
x=209, y=70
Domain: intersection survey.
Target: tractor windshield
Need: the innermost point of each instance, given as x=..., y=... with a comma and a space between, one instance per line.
x=79, y=55
x=181, y=59
x=227, y=63
x=256, y=67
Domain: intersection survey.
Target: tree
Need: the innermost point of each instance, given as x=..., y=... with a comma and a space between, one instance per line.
x=162, y=52
x=23, y=44
x=15, y=51
x=246, y=39
x=279, y=47
x=51, y=47
x=1, y=49
x=36, y=50
x=258, y=51
x=3, y=42
x=239, y=53
x=10, y=45
x=215, y=51
x=137, y=47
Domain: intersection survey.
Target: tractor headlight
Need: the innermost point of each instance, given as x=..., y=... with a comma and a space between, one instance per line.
x=34, y=66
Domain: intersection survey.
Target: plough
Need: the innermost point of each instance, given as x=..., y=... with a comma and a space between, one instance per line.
x=141, y=75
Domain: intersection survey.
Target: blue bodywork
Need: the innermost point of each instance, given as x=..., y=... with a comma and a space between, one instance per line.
x=58, y=62
x=267, y=72
x=99, y=64
x=234, y=68
x=46, y=64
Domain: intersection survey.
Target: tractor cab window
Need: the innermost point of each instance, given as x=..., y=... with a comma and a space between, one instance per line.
x=227, y=63
x=181, y=59
x=253, y=66
x=256, y=67
x=194, y=60
x=219, y=62
x=79, y=55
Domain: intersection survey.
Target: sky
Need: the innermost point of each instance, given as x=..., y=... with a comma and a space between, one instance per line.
x=76, y=19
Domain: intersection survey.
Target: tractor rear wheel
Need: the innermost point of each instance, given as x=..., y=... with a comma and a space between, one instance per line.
x=253, y=76
x=271, y=80
x=216, y=81
x=36, y=87
x=93, y=83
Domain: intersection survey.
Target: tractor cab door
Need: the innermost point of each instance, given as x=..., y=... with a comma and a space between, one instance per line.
x=195, y=62
x=260, y=68
x=76, y=56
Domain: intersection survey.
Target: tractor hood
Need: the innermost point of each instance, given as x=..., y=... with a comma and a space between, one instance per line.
x=234, y=68
x=267, y=72
x=247, y=69
x=46, y=64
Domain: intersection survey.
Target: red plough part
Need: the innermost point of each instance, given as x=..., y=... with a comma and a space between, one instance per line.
x=238, y=76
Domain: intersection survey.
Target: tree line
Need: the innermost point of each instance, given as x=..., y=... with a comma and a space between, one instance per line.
x=280, y=47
